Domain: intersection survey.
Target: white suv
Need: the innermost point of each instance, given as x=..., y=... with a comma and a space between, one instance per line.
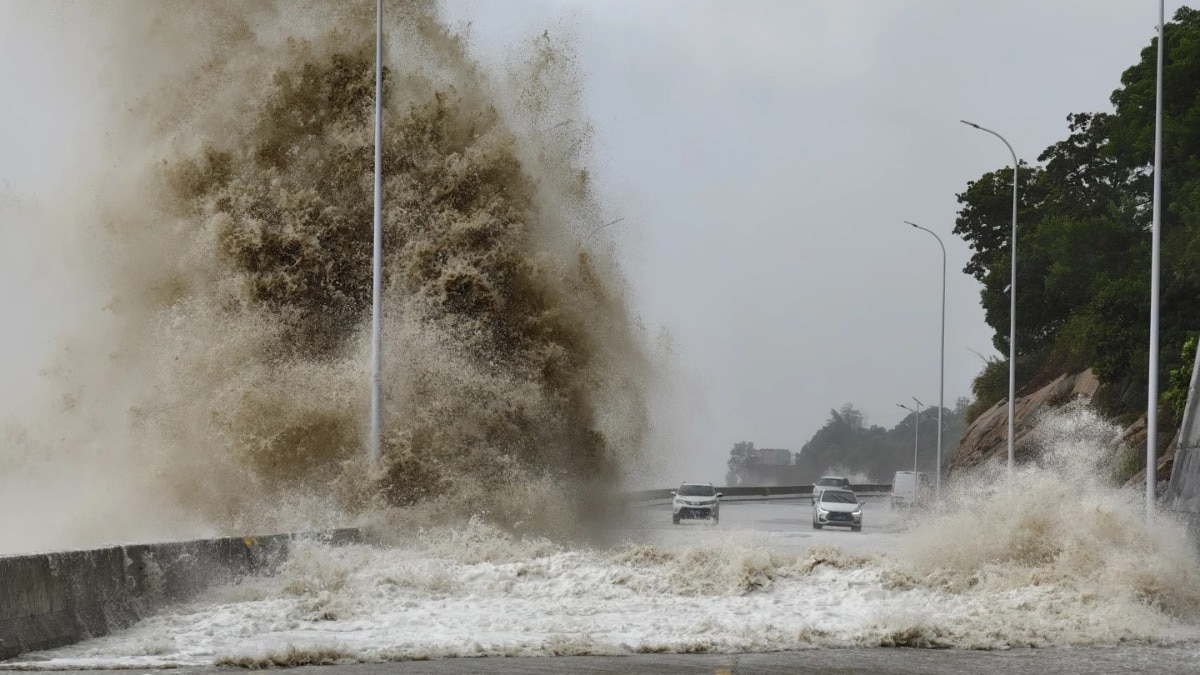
x=696, y=500
x=826, y=482
x=837, y=507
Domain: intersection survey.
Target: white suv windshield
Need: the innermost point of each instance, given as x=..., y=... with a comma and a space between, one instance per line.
x=697, y=490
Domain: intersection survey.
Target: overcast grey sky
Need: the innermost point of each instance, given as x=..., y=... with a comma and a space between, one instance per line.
x=764, y=155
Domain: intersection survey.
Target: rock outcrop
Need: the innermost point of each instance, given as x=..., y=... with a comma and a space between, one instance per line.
x=1135, y=437
x=987, y=437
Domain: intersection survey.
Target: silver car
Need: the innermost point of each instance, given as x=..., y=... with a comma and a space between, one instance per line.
x=837, y=507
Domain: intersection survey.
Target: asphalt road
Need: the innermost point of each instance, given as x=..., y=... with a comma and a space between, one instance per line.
x=1100, y=661
x=785, y=525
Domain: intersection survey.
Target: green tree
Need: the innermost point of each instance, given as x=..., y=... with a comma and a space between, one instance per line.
x=742, y=463
x=846, y=442
x=1084, y=247
x=1175, y=397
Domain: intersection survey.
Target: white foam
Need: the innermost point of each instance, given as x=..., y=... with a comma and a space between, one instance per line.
x=1054, y=557
x=475, y=591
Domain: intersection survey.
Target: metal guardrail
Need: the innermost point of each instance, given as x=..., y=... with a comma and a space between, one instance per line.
x=753, y=491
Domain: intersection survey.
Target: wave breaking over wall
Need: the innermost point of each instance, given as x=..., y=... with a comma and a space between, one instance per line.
x=1053, y=558
x=226, y=385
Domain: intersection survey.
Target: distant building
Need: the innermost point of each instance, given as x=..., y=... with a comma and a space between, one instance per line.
x=773, y=456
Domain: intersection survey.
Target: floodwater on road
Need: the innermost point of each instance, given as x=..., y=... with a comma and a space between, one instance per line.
x=762, y=580
x=781, y=525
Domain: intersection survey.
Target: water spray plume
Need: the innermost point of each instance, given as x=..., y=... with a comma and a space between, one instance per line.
x=235, y=244
x=1065, y=561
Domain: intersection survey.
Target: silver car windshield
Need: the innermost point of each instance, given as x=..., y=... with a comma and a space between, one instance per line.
x=697, y=490
x=839, y=496
x=829, y=482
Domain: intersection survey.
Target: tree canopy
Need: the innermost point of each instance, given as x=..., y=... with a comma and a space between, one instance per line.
x=848, y=445
x=1083, y=241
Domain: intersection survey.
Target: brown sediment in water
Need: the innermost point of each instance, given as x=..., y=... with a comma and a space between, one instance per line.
x=236, y=247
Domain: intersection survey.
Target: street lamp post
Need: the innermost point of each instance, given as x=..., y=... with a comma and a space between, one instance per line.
x=917, y=432
x=1012, y=307
x=594, y=231
x=937, y=480
x=1155, y=236
x=916, y=429
x=377, y=263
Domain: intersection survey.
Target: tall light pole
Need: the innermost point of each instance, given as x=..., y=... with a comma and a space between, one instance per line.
x=917, y=432
x=1156, y=232
x=593, y=232
x=377, y=266
x=937, y=480
x=916, y=429
x=1012, y=304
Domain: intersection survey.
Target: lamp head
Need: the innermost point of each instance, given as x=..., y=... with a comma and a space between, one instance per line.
x=970, y=124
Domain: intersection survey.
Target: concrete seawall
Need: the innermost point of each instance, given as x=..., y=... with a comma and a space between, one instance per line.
x=54, y=599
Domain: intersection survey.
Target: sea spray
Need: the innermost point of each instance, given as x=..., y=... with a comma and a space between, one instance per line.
x=224, y=388
x=1053, y=558
x=1057, y=543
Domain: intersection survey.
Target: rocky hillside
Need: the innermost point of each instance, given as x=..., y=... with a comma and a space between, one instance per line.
x=986, y=438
